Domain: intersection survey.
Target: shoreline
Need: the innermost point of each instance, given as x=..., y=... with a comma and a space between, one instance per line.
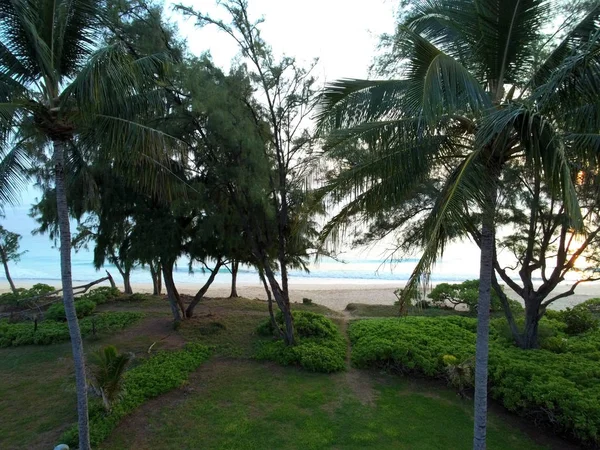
x=333, y=294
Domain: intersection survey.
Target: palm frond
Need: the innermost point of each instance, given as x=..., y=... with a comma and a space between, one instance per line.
x=13, y=171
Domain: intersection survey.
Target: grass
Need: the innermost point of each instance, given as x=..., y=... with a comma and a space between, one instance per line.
x=247, y=405
x=234, y=402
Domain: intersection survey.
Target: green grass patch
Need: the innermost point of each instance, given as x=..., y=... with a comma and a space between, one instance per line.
x=243, y=405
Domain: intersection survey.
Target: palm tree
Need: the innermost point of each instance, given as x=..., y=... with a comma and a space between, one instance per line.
x=478, y=89
x=66, y=97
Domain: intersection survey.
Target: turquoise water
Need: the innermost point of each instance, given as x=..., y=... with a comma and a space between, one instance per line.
x=41, y=262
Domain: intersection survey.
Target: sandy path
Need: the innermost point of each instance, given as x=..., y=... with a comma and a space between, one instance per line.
x=336, y=295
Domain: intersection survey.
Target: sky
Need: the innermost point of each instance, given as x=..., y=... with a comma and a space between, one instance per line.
x=342, y=34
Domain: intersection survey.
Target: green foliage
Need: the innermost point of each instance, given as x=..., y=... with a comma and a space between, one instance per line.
x=101, y=295
x=548, y=327
x=155, y=376
x=11, y=298
x=592, y=305
x=578, y=320
x=83, y=309
x=137, y=297
x=50, y=332
x=320, y=346
x=459, y=374
x=559, y=384
x=465, y=293
x=411, y=344
x=307, y=301
x=107, y=373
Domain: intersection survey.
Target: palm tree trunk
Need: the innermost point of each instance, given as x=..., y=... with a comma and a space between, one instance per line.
x=5, y=262
x=68, y=300
x=234, y=271
x=483, y=326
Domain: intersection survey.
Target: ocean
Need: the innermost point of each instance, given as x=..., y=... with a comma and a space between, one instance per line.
x=41, y=262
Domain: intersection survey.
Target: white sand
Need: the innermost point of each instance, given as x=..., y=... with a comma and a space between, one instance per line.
x=333, y=295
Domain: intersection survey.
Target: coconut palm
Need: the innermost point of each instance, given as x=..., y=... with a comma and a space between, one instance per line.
x=62, y=96
x=478, y=88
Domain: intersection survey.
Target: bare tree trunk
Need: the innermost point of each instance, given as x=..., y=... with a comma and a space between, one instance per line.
x=68, y=299
x=529, y=338
x=213, y=273
x=127, y=282
x=167, y=269
x=125, y=274
x=6, y=271
x=155, y=272
x=234, y=271
x=284, y=305
x=274, y=323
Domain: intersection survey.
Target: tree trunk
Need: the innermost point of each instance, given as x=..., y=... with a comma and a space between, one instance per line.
x=529, y=338
x=190, y=309
x=284, y=305
x=68, y=300
x=483, y=325
x=234, y=271
x=5, y=262
x=155, y=272
x=127, y=282
x=274, y=323
x=172, y=295
x=125, y=274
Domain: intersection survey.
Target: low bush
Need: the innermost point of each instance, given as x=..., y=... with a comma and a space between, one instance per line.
x=83, y=308
x=592, y=305
x=578, y=320
x=101, y=295
x=559, y=385
x=320, y=346
x=51, y=332
x=465, y=294
x=12, y=298
x=155, y=376
x=137, y=297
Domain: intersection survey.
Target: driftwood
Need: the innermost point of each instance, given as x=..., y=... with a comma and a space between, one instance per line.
x=77, y=290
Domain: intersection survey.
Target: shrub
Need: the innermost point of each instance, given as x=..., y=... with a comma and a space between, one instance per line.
x=12, y=298
x=50, y=332
x=306, y=324
x=137, y=297
x=83, y=308
x=548, y=327
x=307, y=301
x=578, y=320
x=101, y=295
x=465, y=293
x=592, y=305
x=158, y=374
x=422, y=304
x=320, y=346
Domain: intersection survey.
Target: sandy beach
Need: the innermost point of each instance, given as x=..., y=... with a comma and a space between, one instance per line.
x=335, y=295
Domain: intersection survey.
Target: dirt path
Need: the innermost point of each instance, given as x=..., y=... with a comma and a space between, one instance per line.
x=358, y=381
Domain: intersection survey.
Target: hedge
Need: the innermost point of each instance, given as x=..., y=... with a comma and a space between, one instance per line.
x=157, y=375
x=320, y=347
x=560, y=387
x=51, y=332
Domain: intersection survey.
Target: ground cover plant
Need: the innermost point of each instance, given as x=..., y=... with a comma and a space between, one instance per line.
x=51, y=332
x=320, y=346
x=558, y=384
x=156, y=375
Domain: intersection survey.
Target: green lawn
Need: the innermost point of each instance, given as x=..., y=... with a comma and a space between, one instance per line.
x=233, y=402
x=240, y=404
